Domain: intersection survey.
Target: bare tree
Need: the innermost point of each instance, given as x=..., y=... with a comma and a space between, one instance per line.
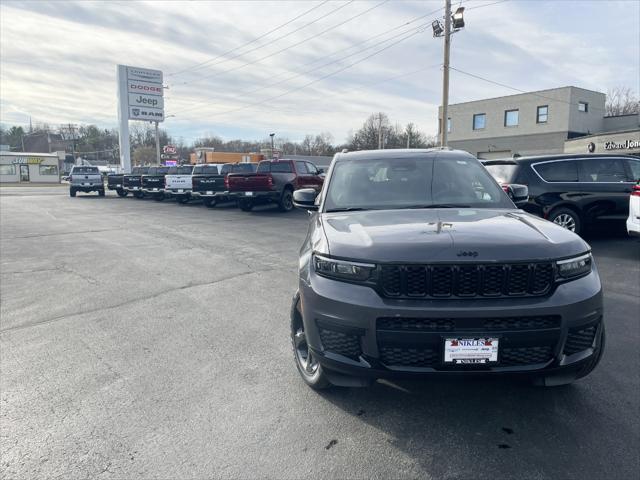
x=621, y=101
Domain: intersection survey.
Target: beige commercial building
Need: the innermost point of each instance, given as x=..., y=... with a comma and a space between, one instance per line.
x=545, y=122
x=19, y=167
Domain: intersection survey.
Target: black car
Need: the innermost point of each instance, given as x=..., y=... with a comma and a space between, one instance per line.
x=573, y=191
x=416, y=262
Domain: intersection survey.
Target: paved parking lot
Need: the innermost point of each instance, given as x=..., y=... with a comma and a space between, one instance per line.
x=151, y=339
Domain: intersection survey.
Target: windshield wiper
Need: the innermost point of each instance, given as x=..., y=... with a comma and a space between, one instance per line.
x=347, y=209
x=439, y=205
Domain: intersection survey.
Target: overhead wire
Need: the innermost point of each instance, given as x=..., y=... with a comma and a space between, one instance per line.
x=224, y=54
x=258, y=60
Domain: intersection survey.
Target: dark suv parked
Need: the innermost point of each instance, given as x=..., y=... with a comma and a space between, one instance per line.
x=417, y=262
x=572, y=190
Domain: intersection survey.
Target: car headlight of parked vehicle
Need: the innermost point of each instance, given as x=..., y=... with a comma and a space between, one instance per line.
x=575, y=267
x=342, y=269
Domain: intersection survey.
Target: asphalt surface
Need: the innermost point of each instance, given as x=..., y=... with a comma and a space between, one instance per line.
x=150, y=340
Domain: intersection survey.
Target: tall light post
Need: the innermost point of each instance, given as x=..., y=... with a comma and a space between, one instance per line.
x=272, y=145
x=457, y=21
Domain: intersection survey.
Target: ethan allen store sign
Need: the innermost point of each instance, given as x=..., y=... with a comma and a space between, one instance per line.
x=626, y=145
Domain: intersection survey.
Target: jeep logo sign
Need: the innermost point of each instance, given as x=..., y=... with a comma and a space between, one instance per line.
x=149, y=101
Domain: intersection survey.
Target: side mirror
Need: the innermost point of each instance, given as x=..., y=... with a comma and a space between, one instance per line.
x=305, y=198
x=519, y=194
x=319, y=171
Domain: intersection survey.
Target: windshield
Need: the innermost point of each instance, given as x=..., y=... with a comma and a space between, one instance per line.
x=205, y=169
x=186, y=170
x=158, y=170
x=86, y=170
x=503, y=173
x=412, y=182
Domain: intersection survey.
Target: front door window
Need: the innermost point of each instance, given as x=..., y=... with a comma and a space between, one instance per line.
x=24, y=173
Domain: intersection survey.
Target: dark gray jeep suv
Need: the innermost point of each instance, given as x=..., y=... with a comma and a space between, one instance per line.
x=417, y=262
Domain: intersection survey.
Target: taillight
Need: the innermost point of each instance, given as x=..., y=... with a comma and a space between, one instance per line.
x=270, y=181
x=226, y=182
x=635, y=191
x=505, y=187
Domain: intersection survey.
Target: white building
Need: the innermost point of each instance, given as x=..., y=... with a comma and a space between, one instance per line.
x=26, y=167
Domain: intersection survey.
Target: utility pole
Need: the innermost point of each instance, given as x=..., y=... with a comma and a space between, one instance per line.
x=445, y=74
x=272, y=145
x=157, y=143
x=379, y=131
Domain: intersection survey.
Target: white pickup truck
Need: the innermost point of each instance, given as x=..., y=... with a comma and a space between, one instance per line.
x=177, y=183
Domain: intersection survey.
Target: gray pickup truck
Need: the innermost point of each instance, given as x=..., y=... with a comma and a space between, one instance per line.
x=86, y=179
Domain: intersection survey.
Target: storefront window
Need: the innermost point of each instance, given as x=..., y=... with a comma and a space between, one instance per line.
x=7, y=170
x=48, y=170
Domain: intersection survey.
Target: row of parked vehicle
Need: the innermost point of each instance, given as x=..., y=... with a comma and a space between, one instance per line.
x=249, y=184
x=573, y=191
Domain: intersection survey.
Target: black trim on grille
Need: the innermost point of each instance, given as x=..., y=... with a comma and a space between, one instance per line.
x=341, y=343
x=579, y=340
x=511, y=356
x=491, y=324
x=470, y=280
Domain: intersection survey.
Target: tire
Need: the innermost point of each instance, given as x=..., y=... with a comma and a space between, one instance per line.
x=101, y=193
x=182, y=199
x=122, y=193
x=286, y=200
x=210, y=202
x=138, y=194
x=245, y=205
x=159, y=197
x=310, y=371
x=72, y=192
x=567, y=218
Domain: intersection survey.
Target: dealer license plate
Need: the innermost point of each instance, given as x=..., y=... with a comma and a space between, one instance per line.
x=155, y=189
x=86, y=184
x=248, y=194
x=470, y=350
x=118, y=185
x=180, y=190
x=209, y=192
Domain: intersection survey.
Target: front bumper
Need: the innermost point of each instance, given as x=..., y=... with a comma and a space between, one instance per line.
x=115, y=187
x=354, y=331
x=153, y=190
x=134, y=188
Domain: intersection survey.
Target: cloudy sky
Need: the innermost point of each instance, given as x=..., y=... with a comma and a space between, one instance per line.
x=232, y=72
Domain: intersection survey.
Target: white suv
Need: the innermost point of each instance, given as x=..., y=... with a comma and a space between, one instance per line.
x=633, y=222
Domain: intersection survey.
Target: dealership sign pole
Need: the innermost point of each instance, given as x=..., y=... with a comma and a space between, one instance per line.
x=140, y=97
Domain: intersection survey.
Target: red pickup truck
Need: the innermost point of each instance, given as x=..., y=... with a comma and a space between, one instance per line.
x=274, y=182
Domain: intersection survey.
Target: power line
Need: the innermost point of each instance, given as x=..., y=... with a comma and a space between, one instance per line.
x=518, y=89
x=201, y=64
x=331, y=12
x=287, y=48
x=326, y=64
x=288, y=92
x=409, y=22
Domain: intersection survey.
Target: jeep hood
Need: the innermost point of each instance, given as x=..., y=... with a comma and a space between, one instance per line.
x=436, y=235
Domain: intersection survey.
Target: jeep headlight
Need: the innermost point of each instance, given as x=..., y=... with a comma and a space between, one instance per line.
x=574, y=267
x=342, y=269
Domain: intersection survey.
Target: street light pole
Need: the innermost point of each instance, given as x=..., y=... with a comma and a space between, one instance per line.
x=272, y=145
x=444, y=123
x=157, y=143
